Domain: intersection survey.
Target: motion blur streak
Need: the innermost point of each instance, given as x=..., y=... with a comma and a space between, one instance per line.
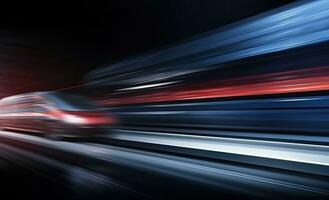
x=316, y=79
x=232, y=177
x=297, y=25
x=237, y=103
x=300, y=153
x=306, y=115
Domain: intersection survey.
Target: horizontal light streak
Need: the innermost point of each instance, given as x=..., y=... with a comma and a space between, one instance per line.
x=307, y=80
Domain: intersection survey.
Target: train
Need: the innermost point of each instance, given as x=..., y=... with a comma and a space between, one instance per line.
x=53, y=114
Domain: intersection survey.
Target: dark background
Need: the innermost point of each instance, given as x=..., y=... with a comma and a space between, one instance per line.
x=52, y=44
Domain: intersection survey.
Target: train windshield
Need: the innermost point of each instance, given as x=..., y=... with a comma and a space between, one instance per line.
x=72, y=102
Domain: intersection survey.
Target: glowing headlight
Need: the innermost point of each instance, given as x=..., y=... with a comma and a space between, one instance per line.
x=72, y=119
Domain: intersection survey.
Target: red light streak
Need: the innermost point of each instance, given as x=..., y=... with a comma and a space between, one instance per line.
x=306, y=80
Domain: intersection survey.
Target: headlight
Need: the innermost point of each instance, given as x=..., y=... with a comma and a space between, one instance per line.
x=72, y=119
